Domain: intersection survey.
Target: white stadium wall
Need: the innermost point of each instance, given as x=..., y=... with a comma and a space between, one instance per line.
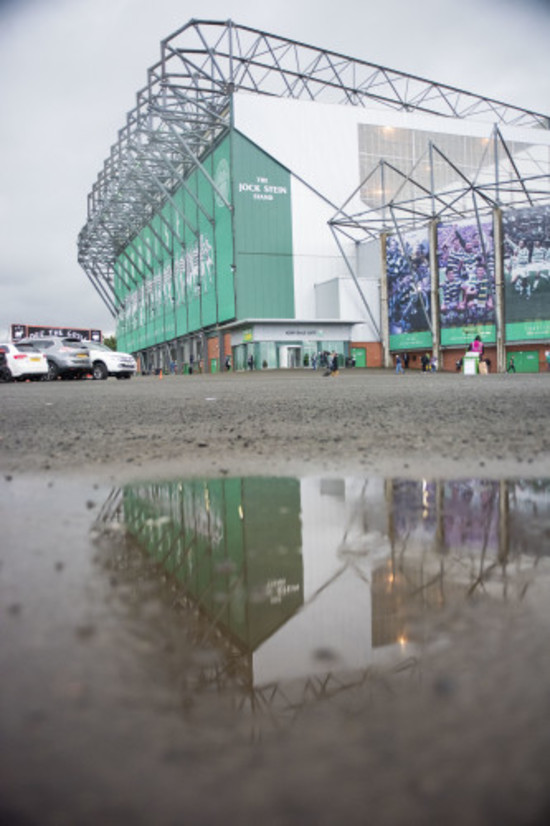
x=316, y=254
x=327, y=299
x=315, y=141
x=337, y=610
x=369, y=267
x=318, y=144
x=329, y=150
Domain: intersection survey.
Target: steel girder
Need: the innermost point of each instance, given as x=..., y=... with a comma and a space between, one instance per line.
x=185, y=109
x=512, y=182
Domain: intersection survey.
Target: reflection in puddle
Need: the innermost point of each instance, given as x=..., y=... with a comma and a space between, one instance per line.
x=303, y=586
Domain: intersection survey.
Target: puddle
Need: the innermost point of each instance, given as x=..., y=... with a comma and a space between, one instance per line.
x=261, y=646
x=300, y=588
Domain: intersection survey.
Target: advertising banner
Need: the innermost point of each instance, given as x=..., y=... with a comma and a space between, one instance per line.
x=409, y=284
x=471, y=516
x=526, y=258
x=527, y=498
x=19, y=331
x=466, y=265
x=414, y=511
x=452, y=517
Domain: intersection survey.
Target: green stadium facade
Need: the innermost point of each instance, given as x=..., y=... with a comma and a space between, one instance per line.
x=261, y=191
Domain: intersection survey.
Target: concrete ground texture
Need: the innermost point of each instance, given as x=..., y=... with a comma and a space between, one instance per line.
x=97, y=722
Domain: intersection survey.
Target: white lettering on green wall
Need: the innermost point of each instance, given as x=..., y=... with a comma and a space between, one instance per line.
x=261, y=189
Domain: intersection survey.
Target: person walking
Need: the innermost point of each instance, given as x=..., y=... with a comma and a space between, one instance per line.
x=511, y=365
x=398, y=364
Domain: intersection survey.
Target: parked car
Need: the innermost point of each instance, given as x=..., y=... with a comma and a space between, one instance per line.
x=21, y=361
x=107, y=362
x=67, y=357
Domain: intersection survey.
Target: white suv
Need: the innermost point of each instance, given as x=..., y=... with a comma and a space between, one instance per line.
x=107, y=362
x=22, y=361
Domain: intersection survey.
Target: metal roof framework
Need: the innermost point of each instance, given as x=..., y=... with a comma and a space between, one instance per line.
x=184, y=109
x=502, y=180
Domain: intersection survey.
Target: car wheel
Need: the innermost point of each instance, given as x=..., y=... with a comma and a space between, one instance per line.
x=100, y=371
x=5, y=374
x=53, y=371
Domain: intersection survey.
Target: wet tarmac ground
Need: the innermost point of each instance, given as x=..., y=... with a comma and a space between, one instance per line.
x=275, y=649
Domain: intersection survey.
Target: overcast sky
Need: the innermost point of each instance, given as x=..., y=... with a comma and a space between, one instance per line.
x=70, y=69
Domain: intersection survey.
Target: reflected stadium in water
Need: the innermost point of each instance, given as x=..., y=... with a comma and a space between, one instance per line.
x=308, y=587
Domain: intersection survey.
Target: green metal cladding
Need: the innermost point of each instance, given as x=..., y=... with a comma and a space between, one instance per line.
x=207, y=533
x=263, y=234
x=196, y=264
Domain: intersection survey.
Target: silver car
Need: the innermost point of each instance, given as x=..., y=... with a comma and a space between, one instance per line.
x=67, y=357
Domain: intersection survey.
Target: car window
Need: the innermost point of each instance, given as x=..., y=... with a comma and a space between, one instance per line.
x=74, y=345
x=24, y=347
x=42, y=345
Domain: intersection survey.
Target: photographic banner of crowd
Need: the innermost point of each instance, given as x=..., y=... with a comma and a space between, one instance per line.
x=466, y=270
x=467, y=515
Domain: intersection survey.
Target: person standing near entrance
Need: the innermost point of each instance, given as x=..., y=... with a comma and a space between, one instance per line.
x=511, y=366
x=477, y=346
x=398, y=364
x=250, y=362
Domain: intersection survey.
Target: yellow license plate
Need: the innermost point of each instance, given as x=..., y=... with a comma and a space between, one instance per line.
x=35, y=358
x=81, y=355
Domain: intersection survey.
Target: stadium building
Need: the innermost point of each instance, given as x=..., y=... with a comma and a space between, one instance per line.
x=270, y=199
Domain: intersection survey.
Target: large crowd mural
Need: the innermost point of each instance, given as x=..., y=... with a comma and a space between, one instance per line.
x=466, y=265
x=526, y=260
x=409, y=287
